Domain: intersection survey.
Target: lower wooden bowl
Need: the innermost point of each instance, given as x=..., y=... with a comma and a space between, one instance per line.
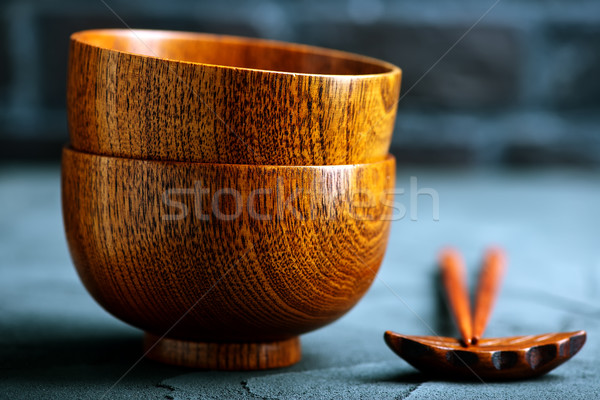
x=224, y=265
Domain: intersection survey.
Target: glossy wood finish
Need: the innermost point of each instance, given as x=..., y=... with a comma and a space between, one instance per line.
x=454, y=280
x=518, y=357
x=223, y=356
x=294, y=259
x=490, y=280
x=222, y=99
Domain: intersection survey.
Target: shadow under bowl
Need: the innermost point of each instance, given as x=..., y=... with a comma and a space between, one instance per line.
x=180, y=96
x=225, y=265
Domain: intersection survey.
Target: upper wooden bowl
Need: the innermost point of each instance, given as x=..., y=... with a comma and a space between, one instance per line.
x=221, y=99
x=229, y=262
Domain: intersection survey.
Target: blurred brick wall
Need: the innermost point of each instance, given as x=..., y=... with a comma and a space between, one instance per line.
x=522, y=87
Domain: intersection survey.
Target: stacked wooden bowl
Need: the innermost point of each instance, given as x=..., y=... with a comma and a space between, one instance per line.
x=226, y=194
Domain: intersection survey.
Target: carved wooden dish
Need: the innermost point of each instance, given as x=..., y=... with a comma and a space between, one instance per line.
x=473, y=358
x=222, y=99
x=230, y=287
x=518, y=357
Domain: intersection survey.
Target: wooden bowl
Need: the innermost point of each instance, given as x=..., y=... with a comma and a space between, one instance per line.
x=221, y=99
x=225, y=265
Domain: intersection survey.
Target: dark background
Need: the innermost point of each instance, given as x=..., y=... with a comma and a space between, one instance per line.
x=521, y=88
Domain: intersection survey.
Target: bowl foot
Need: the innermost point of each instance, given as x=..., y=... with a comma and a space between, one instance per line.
x=223, y=356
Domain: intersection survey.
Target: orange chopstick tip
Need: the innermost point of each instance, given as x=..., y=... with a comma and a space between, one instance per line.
x=450, y=256
x=449, y=252
x=495, y=252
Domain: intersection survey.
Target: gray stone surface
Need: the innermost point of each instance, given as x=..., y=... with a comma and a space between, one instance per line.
x=522, y=87
x=480, y=73
x=573, y=63
x=56, y=343
x=512, y=138
x=5, y=71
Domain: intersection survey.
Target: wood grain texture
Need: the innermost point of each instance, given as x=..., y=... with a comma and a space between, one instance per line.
x=249, y=279
x=518, y=357
x=223, y=356
x=222, y=99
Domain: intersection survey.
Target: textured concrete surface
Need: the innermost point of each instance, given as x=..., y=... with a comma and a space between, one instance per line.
x=56, y=343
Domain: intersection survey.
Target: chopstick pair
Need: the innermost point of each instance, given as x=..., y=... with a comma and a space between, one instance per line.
x=471, y=326
x=515, y=357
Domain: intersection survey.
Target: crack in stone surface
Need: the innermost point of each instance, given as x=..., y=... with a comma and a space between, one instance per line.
x=165, y=386
x=411, y=391
x=168, y=387
x=383, y=380
x=254, y=395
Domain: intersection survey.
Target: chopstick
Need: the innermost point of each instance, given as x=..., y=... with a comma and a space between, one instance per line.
x=487, y=290
x=453, y=278
x=471, y=327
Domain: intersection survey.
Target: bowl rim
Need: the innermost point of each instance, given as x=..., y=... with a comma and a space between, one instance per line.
x=69, y=149
x=84, y=38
